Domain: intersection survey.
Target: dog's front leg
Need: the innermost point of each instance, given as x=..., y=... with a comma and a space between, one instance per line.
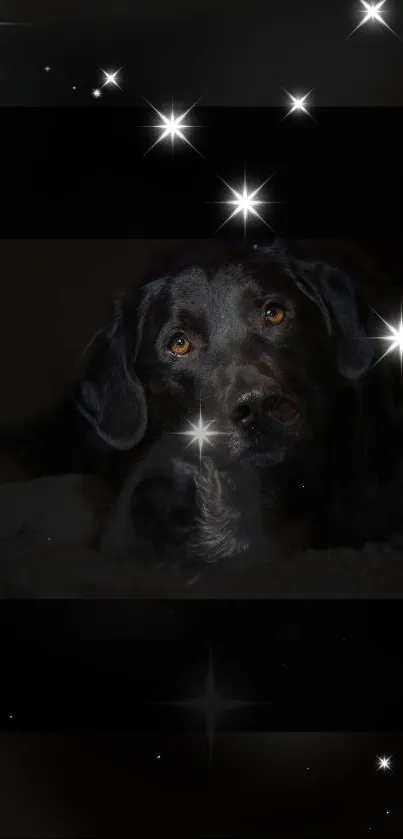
x=153, y=517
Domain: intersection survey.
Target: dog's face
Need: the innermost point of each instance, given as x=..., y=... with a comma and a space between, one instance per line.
x=246, y=347
x=260, y=343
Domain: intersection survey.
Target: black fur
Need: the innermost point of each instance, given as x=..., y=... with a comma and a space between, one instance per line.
x=315, y=405
x=314, y=367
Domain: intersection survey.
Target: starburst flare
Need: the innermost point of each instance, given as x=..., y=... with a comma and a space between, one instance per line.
x=384, y=763
x=111, y=78
x=373, y=12
x=245, y=203
x=298, y=104
x=172, y=126
x=201, y=433
x=394, y=338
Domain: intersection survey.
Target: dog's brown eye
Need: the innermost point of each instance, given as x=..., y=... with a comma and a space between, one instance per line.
x=274, y=315
x=180, y=346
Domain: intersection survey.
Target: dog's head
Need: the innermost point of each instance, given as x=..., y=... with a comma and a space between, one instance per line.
x=260, y=342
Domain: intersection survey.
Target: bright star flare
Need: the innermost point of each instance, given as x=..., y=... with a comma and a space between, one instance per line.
x=298, y=103
x=245, y=202
x=111, y=78
x=374, y=12
x=200, y=433
x=394, y=338
x=172, y=126
x=384, y=763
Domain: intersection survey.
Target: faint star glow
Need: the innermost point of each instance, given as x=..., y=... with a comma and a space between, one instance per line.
x=211, y=705
x=298, y=103
x=200, y=433
x=172, y=126
x=373, y=12
x=159, y=756
x=10, y=716
x=96, y=93
x=245, y=203
x=384, y=763
x=111, y=78
x=47, y=69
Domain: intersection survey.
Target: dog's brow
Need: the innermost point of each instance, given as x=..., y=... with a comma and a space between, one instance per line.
x=194, y=320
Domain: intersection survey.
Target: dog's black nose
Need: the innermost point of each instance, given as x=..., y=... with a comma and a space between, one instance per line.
x=249, y=409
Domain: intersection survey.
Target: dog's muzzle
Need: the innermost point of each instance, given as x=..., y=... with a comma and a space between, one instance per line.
x=254, y=409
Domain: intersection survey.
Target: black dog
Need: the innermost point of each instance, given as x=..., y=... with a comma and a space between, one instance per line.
x=275, y=353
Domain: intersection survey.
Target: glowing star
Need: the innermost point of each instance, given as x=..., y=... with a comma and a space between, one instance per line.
x=96, y=93
x=172, y=126
x=47, y=69
x=245, y=203
x=374, y=12
x=200, y=433
x=298, y=103
x=384, y=763
x=111, y=78
x=394, y=338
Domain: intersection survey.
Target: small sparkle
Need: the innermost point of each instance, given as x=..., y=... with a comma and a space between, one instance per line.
x=308, y=768
x=387, y=812
x=298, y=104
x=245, y=203
x=47, y=69
x=373, y=12
x=10, y=716
x=96, y=93
x=384, y=763
x=74, y=87
x=111, y=78
x=200, y=433
x=159, y=756
x=172, y=126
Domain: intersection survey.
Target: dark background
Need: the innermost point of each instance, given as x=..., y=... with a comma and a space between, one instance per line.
x=241, y=53
x=75, y=172
x=288, y=674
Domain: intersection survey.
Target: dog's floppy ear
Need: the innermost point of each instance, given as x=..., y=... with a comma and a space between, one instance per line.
x=110, y=396
x=332, y=290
